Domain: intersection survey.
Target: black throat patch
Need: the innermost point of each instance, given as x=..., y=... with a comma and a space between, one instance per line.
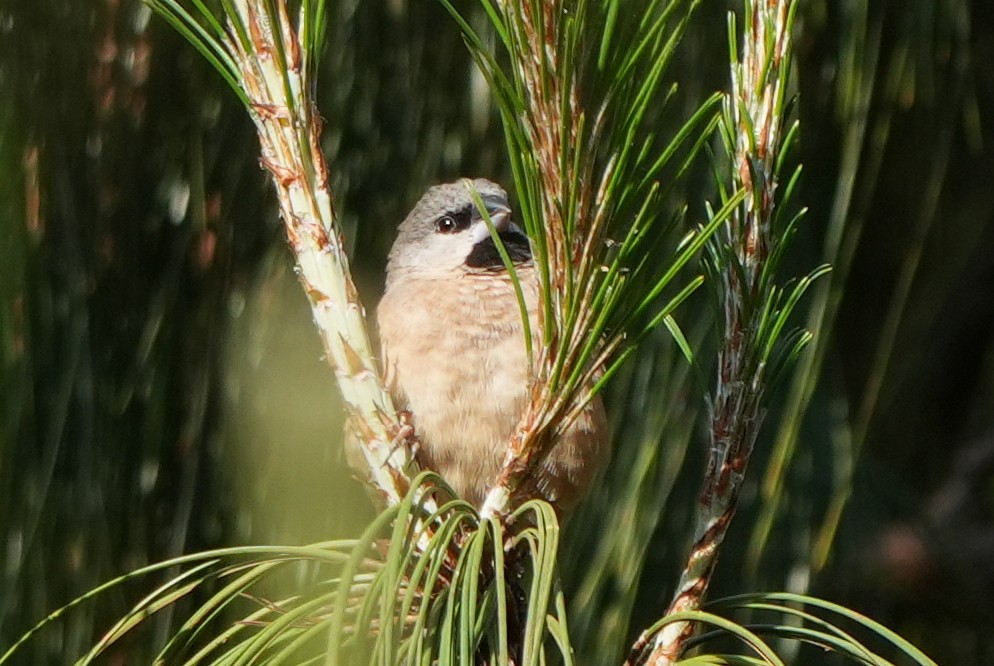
x=485, y=255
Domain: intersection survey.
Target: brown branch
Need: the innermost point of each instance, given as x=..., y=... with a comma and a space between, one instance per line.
x=554, y=141
x=272, y=74
x=737, y=409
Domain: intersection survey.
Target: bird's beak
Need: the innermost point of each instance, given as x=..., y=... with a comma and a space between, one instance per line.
x=499, y=212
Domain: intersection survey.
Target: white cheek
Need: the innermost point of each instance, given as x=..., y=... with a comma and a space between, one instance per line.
x=447, y=253
x=479, y=232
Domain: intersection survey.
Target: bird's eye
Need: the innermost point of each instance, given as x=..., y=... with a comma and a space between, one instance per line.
x=446, y=224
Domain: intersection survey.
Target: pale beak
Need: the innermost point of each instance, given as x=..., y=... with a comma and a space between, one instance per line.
x=485, y=254
x=499, y=211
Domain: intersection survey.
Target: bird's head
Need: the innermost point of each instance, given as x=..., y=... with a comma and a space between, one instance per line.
x=446, y=234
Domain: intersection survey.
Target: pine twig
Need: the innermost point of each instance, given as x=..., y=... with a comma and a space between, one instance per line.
x=582, y=139
x=550, y=87
x=272, y=69
x=737, y=409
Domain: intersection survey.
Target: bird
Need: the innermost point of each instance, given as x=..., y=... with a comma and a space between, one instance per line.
x=453, y=346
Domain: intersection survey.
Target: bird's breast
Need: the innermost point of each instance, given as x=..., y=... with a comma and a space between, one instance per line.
x=455, y=356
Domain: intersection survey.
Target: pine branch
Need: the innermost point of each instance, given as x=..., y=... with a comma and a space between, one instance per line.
x=549, y=90
x=582, y=140
x=754, y=309
x=270, y=63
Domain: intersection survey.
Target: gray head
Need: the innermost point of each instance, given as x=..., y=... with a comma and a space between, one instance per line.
x=447, y=234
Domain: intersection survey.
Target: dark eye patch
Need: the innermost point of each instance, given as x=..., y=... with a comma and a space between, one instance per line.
x=454, y=221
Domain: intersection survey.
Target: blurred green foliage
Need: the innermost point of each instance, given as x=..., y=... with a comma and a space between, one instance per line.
x=163, y=390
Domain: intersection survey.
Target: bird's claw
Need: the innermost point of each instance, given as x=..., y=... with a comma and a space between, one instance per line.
x=403, y=434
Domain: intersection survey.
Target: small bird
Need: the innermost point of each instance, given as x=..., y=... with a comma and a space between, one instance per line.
x=453, y=346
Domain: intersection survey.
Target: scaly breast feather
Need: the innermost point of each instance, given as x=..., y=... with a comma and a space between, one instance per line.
x=455, y=356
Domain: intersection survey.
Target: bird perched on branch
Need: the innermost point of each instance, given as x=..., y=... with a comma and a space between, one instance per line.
x=454, y=350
